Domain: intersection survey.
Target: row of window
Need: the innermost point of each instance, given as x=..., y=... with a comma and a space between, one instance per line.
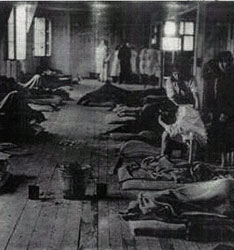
x=176, y=36
x=17, y=34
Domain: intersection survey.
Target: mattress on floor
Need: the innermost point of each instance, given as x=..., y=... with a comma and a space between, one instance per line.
x=115, y=119
x=138, y=148
x=157, y=228
x=53, y=100
x=143, y=181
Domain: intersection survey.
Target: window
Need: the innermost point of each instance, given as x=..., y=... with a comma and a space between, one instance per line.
x=42, y=36
x=170, y=28
x=17, y=33
x=187, y=34
x=171, y=43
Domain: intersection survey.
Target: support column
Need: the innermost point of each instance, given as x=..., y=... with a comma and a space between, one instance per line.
x=199, y=48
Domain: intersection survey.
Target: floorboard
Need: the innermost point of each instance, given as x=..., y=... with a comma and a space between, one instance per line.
x=103, y=226
x=115, y=227
x=53, y=223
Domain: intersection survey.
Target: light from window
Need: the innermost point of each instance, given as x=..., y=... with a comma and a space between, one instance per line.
x=42, y=37
x=17, y=33
x=11, y=36
x=189, y=28
x=188, y=43
x=171, y=43
x=187, y=35
x=21, y=32
x=181, y=28
x=39, y=36
x=170, y=28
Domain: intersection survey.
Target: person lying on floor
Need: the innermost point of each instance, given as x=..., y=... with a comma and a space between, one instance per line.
x=37, y=86
x=16, y=116
x=182, y=91
x=208, y=198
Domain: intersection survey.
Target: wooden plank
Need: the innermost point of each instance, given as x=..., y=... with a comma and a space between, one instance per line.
x=206, y=246
x=36, y=208
x=71, y=235
x=58, y=230
x=191, y=245
x=39, y=238
x=153, y=243
x=23, y=231
x=127, y=238
x=114, y=227
x=179, y=244
x=88, y=235
x=166, y=244
x=14, y=205
x=141, y=242
x=103, y=226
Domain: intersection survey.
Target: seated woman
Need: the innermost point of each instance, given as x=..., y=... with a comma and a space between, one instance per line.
x=181, y=90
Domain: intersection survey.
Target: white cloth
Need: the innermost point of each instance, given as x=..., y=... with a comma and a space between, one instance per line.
x=142, y=65
x=115, y=66
x=134, y=61
x=152, y=63
x=188, y=124
x=101, y=54
x=34, y=83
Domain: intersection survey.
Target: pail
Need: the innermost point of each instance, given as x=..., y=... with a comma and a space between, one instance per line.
x=73, y=178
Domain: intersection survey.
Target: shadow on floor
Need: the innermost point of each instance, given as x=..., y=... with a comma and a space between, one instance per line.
x=14, y=182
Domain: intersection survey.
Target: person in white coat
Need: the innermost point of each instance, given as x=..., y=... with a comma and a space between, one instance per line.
x=115, y=66
x=101, y=55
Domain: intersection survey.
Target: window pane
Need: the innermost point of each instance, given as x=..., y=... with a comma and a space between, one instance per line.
x=171, y=43
x=170, y=28
x=39, y=36
x=49, y=38
x=189, y=28
x=21, y=32
x=11, y=51
x=188, y=43
x=181, y=28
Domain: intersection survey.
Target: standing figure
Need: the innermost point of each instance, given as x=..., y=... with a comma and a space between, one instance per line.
x=152, y=65
x=142, y=65
x=101, y=55
x=115, y=66
x=125, y=64
x=210, y=74
x=224, y=104
x=134, y=60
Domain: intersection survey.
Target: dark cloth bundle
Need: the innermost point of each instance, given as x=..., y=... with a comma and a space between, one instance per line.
x=109, y=95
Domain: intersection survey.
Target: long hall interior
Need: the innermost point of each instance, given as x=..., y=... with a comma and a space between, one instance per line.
x=116, y=125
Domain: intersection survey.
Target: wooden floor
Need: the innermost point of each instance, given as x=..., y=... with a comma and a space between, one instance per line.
x=55, y=223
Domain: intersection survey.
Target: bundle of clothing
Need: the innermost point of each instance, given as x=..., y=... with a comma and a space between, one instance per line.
x=205, y=203
x=16, y=116
x=109, y=95
x=156, y=170
x=188, y=123
x=35, y=91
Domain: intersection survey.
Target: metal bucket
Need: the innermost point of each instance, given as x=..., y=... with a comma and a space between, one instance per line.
x=73, y=178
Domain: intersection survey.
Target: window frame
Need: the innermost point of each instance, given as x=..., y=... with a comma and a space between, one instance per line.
x=183, y=34
x=15, y=38
x=47, y=43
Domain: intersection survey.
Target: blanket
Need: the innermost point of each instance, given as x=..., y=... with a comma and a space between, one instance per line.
x=214, y=196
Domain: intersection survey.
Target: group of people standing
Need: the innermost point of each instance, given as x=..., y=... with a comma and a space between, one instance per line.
x=127, y=63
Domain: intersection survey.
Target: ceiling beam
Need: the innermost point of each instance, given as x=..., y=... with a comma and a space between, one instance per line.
x=186, y=11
